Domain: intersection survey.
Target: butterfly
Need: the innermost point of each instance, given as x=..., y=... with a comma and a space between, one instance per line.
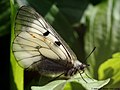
x=37, y=46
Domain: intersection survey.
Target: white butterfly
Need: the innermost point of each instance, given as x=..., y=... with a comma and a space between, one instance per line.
x=38, y=46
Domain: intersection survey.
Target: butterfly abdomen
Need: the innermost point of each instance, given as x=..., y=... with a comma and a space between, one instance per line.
x=47, y=66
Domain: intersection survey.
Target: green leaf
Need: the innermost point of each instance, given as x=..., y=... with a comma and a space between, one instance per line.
x=110, y=69
x=79, y=82
x=16, y=72
x=103, y=24
x=55, y=85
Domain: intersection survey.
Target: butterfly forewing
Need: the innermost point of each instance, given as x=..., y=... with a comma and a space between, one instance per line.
x=36, y=40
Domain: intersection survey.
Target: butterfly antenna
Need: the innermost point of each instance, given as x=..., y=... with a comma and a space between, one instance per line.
x=90, y=53
x=88, y=64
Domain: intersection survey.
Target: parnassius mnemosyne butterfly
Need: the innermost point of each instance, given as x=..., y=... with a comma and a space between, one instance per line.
x=38, y=46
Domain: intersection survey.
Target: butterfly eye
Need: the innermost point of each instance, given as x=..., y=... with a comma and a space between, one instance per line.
x=82, y=67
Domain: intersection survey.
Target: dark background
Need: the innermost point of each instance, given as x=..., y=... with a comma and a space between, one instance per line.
x=4, y=61
x=4, y=44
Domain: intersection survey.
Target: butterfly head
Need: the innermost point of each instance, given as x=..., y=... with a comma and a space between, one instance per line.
x=83, y=66
x=80, y=66
x=77, y=67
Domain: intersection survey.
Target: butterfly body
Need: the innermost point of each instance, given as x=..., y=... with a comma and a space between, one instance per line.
x=39, y=47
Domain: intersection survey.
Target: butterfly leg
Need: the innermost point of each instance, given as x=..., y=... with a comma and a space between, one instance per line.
x=55, y=77
x=82, y=76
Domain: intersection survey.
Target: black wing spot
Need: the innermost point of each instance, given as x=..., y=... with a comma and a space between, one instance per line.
x=58, y=43
x=46, y=33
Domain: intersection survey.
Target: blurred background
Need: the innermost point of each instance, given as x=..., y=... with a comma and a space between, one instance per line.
x=87, y=23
